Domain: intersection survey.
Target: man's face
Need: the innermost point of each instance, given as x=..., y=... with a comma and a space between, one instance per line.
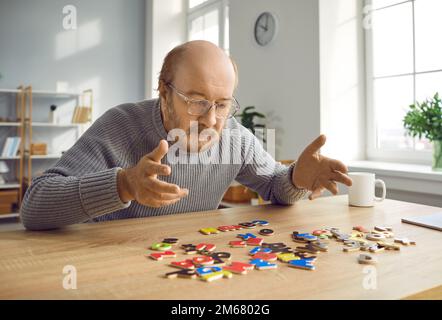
x=210, y=77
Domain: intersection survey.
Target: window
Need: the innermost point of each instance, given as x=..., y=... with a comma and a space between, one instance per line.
x=404, y=65
x=209, y=20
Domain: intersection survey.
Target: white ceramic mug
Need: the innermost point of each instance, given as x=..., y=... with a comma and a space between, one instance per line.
x=362, y=191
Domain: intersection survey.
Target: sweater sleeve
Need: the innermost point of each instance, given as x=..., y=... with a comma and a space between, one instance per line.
x=261, y=173
x=83, y=183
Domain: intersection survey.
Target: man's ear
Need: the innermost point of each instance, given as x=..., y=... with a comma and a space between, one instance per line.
x=162, y=95
x=162, y=90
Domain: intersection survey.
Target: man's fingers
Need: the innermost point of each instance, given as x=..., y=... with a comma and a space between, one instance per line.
x=160, y=203
x=154, y=168
x=159, y=152
x=320, y=186
x=342, y=178
x=338, y=166
x=168, y=196
x=315, y=145
x=316, y=193
x=159, y=186
x=155, y=199
x=332, y=187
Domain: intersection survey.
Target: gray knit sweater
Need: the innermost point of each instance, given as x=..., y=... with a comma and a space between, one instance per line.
x=82, y=186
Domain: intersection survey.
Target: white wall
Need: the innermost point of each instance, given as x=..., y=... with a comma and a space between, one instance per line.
x=105, y=52
x=342, y=78
x=282, y=79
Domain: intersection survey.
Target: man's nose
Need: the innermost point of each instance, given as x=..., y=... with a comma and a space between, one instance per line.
x=209, y=119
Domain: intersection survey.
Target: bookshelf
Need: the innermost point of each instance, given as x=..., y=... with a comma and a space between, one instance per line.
x=39, y=129
x=10, y=186
x=10, y=124
x=9, y=215
x=12, y=109
x=55, y=125
x=30, y=122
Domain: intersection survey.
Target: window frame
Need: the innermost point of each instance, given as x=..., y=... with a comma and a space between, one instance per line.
x=372, y=152
x=205, y=7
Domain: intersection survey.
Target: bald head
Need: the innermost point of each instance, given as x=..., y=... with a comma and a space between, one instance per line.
x=201, y=64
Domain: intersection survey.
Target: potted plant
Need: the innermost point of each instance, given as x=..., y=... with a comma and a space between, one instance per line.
x=425, y=119
x=236, y=191
x=247, y=118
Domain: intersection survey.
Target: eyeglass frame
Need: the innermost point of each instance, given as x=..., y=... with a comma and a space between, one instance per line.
x=189, y=100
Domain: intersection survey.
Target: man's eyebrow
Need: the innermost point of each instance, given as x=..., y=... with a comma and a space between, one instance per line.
x=196, y=93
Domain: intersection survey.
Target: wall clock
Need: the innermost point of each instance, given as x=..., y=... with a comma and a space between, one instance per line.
x=265, y=28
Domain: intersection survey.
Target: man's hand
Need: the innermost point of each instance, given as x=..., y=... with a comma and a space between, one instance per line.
x=140, y=183
x=315, y=172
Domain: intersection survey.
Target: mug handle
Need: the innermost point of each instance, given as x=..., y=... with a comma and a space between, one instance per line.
x=384, y=190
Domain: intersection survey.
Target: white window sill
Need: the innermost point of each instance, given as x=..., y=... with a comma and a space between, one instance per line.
x=404, y=177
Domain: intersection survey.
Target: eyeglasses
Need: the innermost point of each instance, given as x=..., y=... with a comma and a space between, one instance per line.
x=195, y=107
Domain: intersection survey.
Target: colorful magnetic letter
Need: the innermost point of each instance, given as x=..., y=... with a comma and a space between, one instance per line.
x=170, y=240
x=246, y=236
x=260, y=222
x=229, y=228
x=237, y=244
x=205, y=246
x=239, y=267
x=160, y=255
x=216, y=275
x=254, y=241
x=185, y=273
x=161, y=246
x=286, y=257
x=203, y=260
x=219, y=257
x=302, y=264
x=185, y=264
x=259, y=249
x=265, y=256
x=266, y=232
x=206, y=270
x=247, y=225
x=262, y=265
x=209, y=230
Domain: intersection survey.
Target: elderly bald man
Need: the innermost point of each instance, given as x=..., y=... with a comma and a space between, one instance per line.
x=139, y=159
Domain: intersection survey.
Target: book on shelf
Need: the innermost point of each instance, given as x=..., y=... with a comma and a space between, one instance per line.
x=6, y=147
x=11, y=147
x=81, y=114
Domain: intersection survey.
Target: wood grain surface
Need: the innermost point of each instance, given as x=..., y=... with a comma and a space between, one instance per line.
x=110, y=257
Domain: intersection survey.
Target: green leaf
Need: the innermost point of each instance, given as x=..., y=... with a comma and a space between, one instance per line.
x=424, y=119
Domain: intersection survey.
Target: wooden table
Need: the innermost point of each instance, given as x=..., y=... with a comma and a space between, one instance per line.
x=110, y=262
